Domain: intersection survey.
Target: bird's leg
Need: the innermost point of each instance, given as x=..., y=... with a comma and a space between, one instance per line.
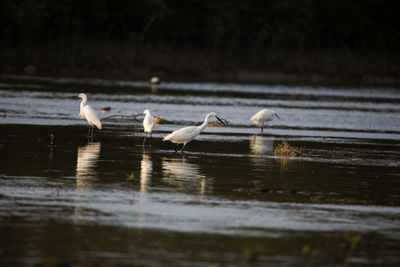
x=262, y=126
x=144, y=141
x=88, y=134
x=150, y=138
x=92, y=131
x=183, y=147
x=176, y=147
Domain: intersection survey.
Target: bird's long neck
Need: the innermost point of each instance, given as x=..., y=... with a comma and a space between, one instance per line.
x=205, y=123
x=149, y=117
x=84, y=100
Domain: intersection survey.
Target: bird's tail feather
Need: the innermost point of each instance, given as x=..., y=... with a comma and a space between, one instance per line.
x=99, y=125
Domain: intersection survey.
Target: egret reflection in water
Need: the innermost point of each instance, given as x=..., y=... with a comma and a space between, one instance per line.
x=87, y=160
x=181, y=174
x=261, y=149
x=85, y=171
x=146, y=169
x=260, y=144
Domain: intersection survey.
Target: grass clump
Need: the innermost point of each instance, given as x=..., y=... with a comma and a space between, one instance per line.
x=352, y=239
x=130, y=176
x=251, y=252
x=285, y=150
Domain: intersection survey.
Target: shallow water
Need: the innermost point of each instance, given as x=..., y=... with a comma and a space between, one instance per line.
x=226, y=201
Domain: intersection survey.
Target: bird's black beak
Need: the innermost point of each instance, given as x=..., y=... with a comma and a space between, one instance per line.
x=223, y=121
x=277, y=116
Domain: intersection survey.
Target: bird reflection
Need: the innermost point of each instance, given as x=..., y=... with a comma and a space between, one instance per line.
x=146, y=169
x=87, y=160
x=85, y=170
x=260, y=146
x=153, y=88
x=183, y=175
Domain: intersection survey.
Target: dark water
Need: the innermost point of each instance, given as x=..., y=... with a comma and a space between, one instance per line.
x=227, y=201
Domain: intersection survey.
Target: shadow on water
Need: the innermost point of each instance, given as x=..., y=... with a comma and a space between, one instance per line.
x=227, y=201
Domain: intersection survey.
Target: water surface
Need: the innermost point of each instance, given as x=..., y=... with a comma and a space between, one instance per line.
x=228, y=200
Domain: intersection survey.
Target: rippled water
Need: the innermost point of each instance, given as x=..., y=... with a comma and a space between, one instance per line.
x=228, y=200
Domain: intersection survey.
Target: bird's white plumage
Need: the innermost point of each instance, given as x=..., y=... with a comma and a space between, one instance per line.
x=155, y=80
x=148, y=122
x=89, y=113
x=183, y=135
x=187, y=134
x=263, y=116
x=92, y=117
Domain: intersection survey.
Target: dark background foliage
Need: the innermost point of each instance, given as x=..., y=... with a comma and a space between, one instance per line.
x=222, y=29
x=368, y=25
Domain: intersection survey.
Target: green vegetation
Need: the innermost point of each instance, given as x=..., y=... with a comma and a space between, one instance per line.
x=130, y=176
x=251, y=252
x=352, y=239
x=370, y=25
x=51, y=135
x=306, y=250
x=346, y=38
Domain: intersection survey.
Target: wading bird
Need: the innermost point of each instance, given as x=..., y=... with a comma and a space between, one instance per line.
x=148, y=124
x=187, y=134
x=154, y=80
x=90, y=114
x=263, y=116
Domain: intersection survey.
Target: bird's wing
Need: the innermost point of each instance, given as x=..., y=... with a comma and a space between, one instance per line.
x=183, y=135
x=262, y=116
x=267, y=115
x=148, y=123
x=92, y=117
x=254, y=118
x=81, y=114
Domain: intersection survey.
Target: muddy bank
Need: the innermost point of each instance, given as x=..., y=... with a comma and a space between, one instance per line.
x=127, y=61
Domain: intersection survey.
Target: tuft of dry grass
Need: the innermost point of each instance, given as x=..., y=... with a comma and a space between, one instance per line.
x=285, y=150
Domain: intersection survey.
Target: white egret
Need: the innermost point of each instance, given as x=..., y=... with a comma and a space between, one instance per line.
x=187, y=134
x=90, y=114
x=148, y=124
x=263, y=116
x=154, y=80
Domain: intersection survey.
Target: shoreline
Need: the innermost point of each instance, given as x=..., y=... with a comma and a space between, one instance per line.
x=244, y=77
x=126, y=61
